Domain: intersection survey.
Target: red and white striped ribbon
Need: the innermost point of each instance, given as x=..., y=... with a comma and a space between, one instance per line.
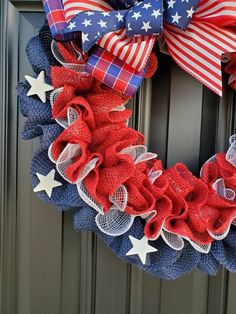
x=73, y=7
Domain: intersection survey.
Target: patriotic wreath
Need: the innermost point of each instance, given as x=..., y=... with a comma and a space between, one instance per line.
x=167, y=222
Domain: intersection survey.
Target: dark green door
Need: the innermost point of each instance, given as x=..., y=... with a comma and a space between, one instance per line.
x=46, y=267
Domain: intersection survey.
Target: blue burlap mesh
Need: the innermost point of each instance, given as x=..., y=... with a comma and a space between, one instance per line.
x=225, y=251
x=208, y=264
x=64, y=197
x=37, y=57
x=39, y=121
x=32, y=107
x=166, y=263
x=45, y=39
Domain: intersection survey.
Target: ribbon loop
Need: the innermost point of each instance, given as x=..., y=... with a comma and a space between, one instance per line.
x=94, y=25
x=145, y=18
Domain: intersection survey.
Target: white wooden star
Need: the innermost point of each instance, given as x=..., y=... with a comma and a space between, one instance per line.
x=146, y=6
x=146, y=26
x=190, y=12
x=72, y=25
x=84, y=37
x=171, y=4
x=38, y=86
x=119, y=17
x=47, y=183
x=141, y=248
x=156, y=13
x=102, y=23
x=175, y=18
x=86, y=22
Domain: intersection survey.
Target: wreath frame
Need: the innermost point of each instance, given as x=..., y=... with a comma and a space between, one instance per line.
x=160, y=273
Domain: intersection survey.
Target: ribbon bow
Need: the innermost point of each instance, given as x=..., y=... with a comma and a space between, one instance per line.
x=144, y=18
x=197, y=44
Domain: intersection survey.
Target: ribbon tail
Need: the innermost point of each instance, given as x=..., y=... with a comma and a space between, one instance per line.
x=114, y=73
x=199, y=49
x=221, y=13
x=56, y=19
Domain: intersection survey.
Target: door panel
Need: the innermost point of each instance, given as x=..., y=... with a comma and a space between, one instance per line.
x=46, y=267
x=39, y=228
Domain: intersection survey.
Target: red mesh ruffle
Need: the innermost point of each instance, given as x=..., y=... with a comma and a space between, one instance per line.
x=221, y=211
x=141, y=198
x=62, y=76
x=152, y=65
x=69, y=55
x=101, y=132
x=188, y=195
x=153, y=227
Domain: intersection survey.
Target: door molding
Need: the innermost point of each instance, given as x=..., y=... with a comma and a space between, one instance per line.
x=10, y=11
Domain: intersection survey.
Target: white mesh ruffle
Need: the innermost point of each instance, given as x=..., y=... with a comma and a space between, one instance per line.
x=66, y=158
x=58, y=56
x=202, y=248
x=50, y=155
x=211, y=159
x=83, y=192
x=87, y=198
x=149, y=215
x=138, y=153
x=221, y=190
x=172, y=240
x=120, y=198
x=119, y=108
x=87, y=169
x=153, y=175
x=72, y=113
x=134, y=151
x=176, y=242
x=231, y=153
x=54, y=94
x=223, y=235
x=115, y=222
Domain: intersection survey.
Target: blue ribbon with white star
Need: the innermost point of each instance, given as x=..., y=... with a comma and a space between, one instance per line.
x=144, y=18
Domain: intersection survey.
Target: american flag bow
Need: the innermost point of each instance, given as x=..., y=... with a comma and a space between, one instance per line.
x=196, y=34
